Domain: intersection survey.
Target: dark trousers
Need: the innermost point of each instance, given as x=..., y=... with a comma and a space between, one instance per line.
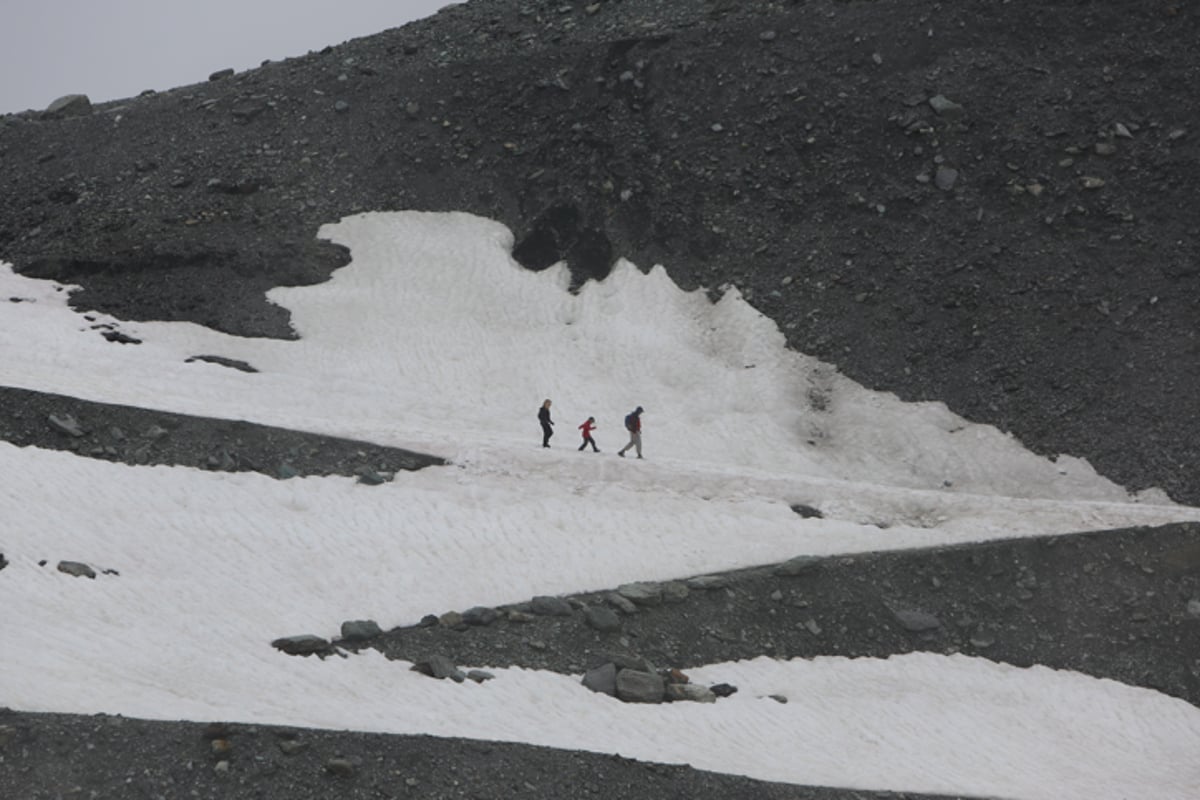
x=547, y=432
x=589, y=440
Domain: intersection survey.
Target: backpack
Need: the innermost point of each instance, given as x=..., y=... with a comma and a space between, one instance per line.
x=630, y=422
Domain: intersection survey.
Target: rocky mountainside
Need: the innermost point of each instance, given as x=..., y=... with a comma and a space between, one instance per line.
x=990, y=204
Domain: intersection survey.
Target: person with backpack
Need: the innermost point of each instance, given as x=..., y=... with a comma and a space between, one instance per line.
x=633, y=424
x=587, y=429
x=547, y=423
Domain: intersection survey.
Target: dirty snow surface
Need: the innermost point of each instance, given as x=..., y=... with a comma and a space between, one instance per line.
x=435, y=340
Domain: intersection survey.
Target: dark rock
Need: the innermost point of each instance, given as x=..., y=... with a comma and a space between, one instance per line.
x=916, y=621
x=480, y=615
x=439, y=667
x=602, y=619
x=480, y=675
x=360, y=630
x=602, y=679
x=340, y=767
x=232, y=363
x=945, y=178
x=76, y=569
x=800, y=565
x=548, y=606
x=302, y=645
x=221, y=74
x=370, y=477
x=643, y=593
x=945, y=107
x=71, y=105
x=723, y=689
x=639, y=687
x=808, y=512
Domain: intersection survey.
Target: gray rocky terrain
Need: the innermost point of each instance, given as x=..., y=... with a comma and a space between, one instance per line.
x=989, y=204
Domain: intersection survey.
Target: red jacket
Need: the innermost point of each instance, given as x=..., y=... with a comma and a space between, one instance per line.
x=587, y=429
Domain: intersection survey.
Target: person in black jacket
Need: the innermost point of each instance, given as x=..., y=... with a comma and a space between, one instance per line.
x=547, y=423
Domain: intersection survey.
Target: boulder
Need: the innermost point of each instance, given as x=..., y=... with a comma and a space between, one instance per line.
x=634, y=686
x=440, y=667
x=76, y=569
x=602, y=619
x=303, y=645
x=547, y=606
x=360, y=630
x=480, y=615
x=71, y=105
x=643, y=593
x=602, y=679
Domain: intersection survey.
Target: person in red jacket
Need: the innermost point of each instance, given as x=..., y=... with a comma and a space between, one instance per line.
x=587, y=429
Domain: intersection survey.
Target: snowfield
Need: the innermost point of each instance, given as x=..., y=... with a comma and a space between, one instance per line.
x=434, y=339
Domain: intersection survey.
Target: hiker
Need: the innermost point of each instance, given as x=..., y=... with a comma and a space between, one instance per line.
x=633, y=424
x=587, y=429
x=547, y=423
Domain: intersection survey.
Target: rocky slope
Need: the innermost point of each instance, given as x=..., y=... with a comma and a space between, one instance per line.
x=988, y=204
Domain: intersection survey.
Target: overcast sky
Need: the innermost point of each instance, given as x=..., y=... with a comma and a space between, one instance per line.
x=110, y=49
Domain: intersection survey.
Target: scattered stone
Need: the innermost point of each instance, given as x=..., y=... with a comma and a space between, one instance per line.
x=480, y=675
x=341, y=106
x=799, y=565
x=290, y=747
x=675, y=592
x=65, y=423
x=71, y=105
x=242, y=186
x=360, y=630
x=516, y=615
x=778, y=698
x=723, y=689
x=945, y=178
x=340, y=767
x=1193, y=606
x=622, y=604
x=232, y=363
x=451, y=619
x=480, y=615
x=303, y=645
x=1176, y=133
x=548, y=606
x=916, y=621
x=602, y=619
x=634, y=686
x=807, y=512
x=439, y=667
x=1092, y=182
x=221, y=74
x=76, y=569
x=602, y=679
x=644, y=593
x=369, y=477
x=221, y=767
x=1122, y=131
x=1105, y=149
x=220, y=747
x=705, y=583
x=768, y=36
x=945, y=107
x=3, y=561
x=247, y=111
